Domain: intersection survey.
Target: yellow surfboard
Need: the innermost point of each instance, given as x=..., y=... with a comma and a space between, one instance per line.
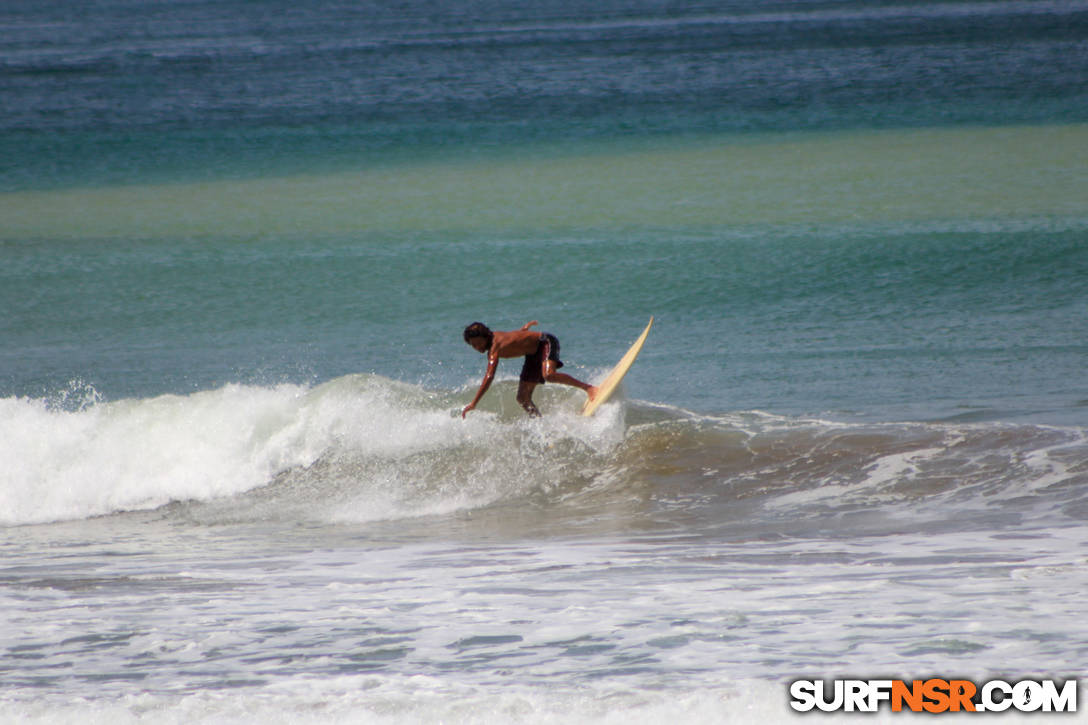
x=611, y=382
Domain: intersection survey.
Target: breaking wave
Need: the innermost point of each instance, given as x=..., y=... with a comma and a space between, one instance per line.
x=365, y=448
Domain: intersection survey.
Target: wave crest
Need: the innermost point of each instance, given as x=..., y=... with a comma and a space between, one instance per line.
x=363, y=448
x=394, y=445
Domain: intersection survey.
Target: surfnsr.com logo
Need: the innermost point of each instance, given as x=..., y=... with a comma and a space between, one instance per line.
x=933, y=695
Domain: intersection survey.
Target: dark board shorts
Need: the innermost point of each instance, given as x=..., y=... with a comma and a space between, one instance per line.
x=547, y=350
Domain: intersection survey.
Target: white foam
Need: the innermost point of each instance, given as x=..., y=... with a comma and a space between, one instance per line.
x=140, y=454
x=415, y=699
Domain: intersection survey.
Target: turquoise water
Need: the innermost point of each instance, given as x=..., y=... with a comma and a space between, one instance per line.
x=239, y=243
x=824, y=205
x=822, y=274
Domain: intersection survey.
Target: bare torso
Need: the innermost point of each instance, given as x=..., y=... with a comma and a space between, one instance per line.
x=516, y=343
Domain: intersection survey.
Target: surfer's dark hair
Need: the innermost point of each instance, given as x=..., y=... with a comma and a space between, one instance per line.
x=479, y=329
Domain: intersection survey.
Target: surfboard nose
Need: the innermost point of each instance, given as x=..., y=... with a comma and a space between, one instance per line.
x=615, y=375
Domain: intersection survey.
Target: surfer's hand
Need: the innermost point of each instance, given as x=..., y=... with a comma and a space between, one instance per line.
x=467, y=408
x=527, y=325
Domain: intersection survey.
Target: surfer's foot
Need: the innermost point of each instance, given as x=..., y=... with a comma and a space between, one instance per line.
x=592, y=391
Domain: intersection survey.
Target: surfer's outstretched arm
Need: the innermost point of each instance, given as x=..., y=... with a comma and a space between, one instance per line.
x=492, y=364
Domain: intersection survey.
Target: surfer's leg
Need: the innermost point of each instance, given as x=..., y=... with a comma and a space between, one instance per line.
x=551, y=376
x=525, y=397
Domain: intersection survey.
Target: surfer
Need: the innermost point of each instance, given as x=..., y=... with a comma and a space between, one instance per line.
x=541, y=351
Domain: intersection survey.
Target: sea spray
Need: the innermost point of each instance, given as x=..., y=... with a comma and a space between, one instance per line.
x=401, y=451
x=355, y=448
x=142, y=453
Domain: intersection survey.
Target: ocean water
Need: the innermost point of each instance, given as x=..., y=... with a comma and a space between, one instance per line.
x=239, y=242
